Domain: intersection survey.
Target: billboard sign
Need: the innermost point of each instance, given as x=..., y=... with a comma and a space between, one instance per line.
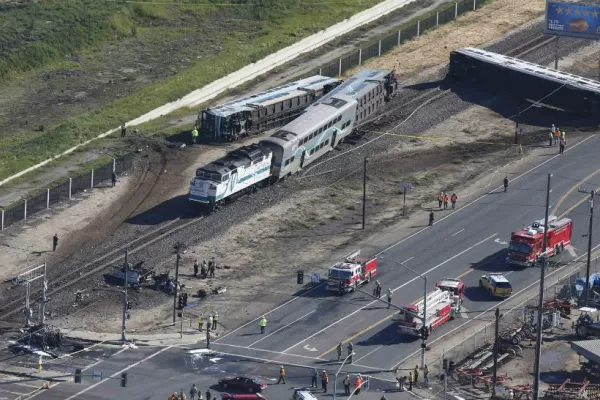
x=573, y=19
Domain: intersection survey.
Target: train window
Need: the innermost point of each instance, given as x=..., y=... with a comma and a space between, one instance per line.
x=321, y=129
x=292, y=159
x=339, y=118
x=329, y=124
x=290, y=104
x=327, y=142
x=312, y=151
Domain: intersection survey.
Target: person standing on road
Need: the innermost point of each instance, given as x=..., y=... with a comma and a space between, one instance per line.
x=173, y=396
x=453, y=200
x=263, y=324
x=389, y=297
x=196, y=266
x=550, y=138
x=426, y=375
x=193, y=391
x=200, y=322
x=431, y=216
x=445, y=201
x=314, y=377
x=182, y=395
x=440, y=199
x=358, y=384
x=210, y=322
x=324, y=380
x=350, y=351
x=505, y=183
x=208, y=394
x=339, y=351
x=215, y=321
x=203, y=270
x=556, y=135
x=410, y=381
x=55, y=242
x=416, y=373
x=281, y=375
x=123, y=130
x=113, y=178
x=563, y=143
x=211, y=270
x=347, y=385
x=194, y=135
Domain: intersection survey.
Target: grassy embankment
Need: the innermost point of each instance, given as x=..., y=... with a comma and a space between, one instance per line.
x=37, y=36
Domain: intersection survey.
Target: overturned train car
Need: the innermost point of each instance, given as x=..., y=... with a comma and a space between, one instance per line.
x=262, y=111
x=535, y=83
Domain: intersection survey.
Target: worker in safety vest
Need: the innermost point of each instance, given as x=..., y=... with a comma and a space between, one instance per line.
x=445, y=201
x=347, y=385
x=389, y=297
x=563, y=135
x=556, y=135
x=440, y=199
x=194, y=135
x=357, y=384
x=550, y=138
x=215, y=321
x=173, y=396
x=416, y=373
x=410, y=381
x=263, y=324
x=563, y=143
x=453, y=200
x=200, y=322
x=281, y=375
x=324, y=380
x=339, y=351
x=350, y=351
x=210, y=322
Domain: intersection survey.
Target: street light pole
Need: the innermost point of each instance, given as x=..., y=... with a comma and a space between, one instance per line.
x=338, y=371
x=589, y=254
x=176, y=286
x=364, y=193
x=124, y=320
x=538, y=343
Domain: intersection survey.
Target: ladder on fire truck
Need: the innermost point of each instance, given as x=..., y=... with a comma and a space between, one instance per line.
x=434, y=299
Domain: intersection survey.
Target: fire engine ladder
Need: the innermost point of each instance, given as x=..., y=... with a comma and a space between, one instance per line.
x=433, y=299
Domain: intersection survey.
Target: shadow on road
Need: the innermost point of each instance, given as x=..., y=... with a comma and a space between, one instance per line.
x=166, y=211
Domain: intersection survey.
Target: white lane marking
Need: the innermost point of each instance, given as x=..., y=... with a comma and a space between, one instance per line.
x=407, y=260
x=266, y=351
x=399, y=287
x=482, y=196
x=282, y=328
x=571, y=251
x=454, y=234
x=494, y=307
x=87, y=389
x=83, y=369
x=267, y=313
x=307, y=347
x=502, y=242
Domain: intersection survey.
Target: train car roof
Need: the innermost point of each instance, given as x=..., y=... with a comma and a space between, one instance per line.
x=358, y=84
x=272, y=95
x=242, y=156
x=515, y=64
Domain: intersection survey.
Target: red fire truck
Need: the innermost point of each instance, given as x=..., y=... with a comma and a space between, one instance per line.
x=439, y=311
x=354, y=271
x=456, y=287
x=526, y=245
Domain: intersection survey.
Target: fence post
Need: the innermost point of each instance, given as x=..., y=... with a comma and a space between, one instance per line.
x=418, y=28
x=114, y=164
x=359, y=56
x=25, y=210
x=92, y=180
x=2, y=221
x=340, y=68
x=47, y=198
x=399, y=34
x=474, y=5
x=70, y=186
x=379, y=55
x=437, y=18
x=320, y=70
x=455, y=10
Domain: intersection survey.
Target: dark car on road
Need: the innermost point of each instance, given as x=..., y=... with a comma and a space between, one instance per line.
x=245, y=383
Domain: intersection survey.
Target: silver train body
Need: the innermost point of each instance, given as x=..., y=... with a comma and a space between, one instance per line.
x=262, y=111
x=318, y=130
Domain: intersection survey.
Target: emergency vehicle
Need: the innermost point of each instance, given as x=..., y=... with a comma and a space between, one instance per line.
x=496, y=285
x=456, y=287
x=354, y=271
x=526, y=246
x=440, y=304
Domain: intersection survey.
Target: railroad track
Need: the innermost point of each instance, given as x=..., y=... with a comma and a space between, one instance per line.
x=531, y=46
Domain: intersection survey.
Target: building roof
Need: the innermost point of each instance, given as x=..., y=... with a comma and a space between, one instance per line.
x=590, y=349
x=539, y=71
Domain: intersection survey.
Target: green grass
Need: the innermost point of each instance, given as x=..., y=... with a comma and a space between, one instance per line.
x=77, y=25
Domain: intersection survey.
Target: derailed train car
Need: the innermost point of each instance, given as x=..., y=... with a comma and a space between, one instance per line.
x=304, y=140
x=262, y=111
x=508, y=75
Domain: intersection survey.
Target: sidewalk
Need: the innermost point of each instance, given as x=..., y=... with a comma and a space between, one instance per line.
x=189, y=337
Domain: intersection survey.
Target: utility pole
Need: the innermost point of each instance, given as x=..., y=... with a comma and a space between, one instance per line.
x=176, y=286
x=538, y=342
x=424, y=342
x=517, y=126
x=364, y=192
x=44, y=298
x=124, y=317
x=589, y=254
x=496, y=334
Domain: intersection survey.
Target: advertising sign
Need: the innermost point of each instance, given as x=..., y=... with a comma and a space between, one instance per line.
x=573, y=19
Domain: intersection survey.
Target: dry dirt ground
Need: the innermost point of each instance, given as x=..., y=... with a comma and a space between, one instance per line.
x=315, y=225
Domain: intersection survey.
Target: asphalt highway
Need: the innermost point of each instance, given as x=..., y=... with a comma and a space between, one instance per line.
x=464, y=243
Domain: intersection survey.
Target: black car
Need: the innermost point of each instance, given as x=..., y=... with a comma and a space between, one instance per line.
x=245, y=383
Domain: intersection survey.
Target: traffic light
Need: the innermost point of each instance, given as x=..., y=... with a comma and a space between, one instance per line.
x=129, y=305
x=424, y=332
x=445, y=364
x=77, y=376
x=124, y=379
x=341, y=286
x=451, y=366
x=300, y=278
x=180, y=301
x=184, y=295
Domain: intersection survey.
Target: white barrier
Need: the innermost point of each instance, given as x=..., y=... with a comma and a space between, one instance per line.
x=249, y=72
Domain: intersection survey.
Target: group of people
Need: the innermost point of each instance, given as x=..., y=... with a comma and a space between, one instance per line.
x=412, y=378
x=443, y=200
x=211, y=321
x=206, y=270
x=556, y=137
x=194, y=394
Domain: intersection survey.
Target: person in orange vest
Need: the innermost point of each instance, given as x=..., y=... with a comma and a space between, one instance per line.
x=324, y=380
x=556, y=135
x=173, y=396
x=357, y=384
x=440, y=199
x=445, y=201
x=281, y=375
x=453, y=200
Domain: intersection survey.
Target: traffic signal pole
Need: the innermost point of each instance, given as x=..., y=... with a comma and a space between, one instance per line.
x=124, y=320
x=176, y=287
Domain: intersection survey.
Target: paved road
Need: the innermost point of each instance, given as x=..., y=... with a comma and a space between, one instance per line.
x=466, y=243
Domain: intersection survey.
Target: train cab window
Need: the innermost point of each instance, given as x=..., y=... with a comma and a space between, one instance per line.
x=326, y=142
x=339, y=118
x=286, y=163
x=292, y=159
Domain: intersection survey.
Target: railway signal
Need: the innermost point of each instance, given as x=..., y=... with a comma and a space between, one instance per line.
x=300, y=278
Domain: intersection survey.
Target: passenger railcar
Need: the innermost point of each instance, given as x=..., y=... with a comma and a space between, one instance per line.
x=263, y=111
x=533, y=82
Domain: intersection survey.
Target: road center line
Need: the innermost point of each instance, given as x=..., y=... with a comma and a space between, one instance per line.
x=87, y=389
x=282, y=328
x=407, y=260
x=575, y=187
x=454, y=234
x=375, y=301
x=235, y=346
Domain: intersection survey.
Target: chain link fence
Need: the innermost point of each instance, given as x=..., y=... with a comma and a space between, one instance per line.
x=100, y=176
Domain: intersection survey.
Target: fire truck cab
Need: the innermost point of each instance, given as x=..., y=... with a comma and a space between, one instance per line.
x=354, y=271
x=526, y=246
